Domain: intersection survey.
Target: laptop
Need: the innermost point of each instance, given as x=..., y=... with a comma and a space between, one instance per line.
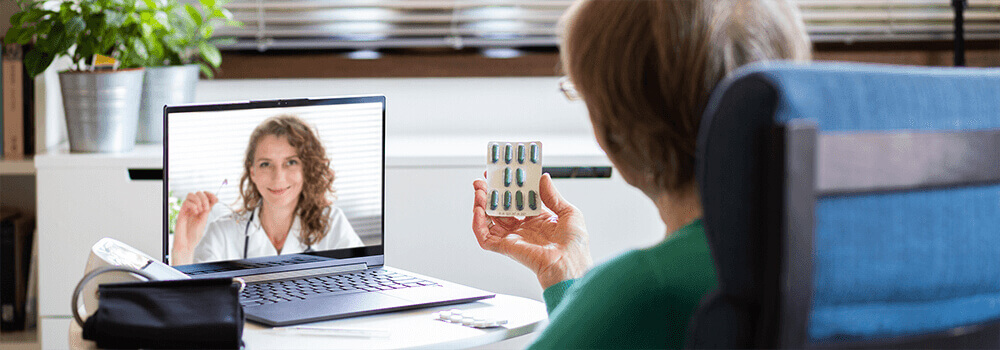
x=342, y=273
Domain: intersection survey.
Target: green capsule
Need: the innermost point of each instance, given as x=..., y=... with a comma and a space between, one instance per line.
x=506, y=176
x=508, y=153
x=520, y=177
x=532, y=200
x=520, y=153
x=494, y=200
x=520, y=200
x=506, y=200
x=534, y=153
x=495, y=153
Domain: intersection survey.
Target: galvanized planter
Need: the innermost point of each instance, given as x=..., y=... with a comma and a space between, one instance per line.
x=170, y=85
x=102, y=109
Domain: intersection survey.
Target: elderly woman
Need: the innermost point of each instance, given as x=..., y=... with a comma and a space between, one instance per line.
x=645, y=70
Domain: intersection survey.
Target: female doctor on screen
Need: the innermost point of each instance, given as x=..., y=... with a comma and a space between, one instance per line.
x=286, y=208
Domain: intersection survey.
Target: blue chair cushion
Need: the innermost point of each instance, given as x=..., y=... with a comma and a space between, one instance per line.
x=900, y=263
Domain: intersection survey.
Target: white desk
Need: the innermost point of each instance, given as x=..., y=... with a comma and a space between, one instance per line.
x=407, y=329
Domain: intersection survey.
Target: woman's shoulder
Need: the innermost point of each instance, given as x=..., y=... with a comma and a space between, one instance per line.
x=333, y=211
x=659, y=267
x=626, y=273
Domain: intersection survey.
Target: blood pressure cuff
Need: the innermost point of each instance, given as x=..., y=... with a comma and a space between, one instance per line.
x=194, y=313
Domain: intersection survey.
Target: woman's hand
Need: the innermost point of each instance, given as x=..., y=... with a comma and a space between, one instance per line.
x=553, y=244
x=191, y=221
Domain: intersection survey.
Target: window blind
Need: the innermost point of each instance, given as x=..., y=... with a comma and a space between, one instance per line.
x=386, y=24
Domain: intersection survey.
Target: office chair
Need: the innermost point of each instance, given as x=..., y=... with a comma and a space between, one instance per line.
x=851, y=206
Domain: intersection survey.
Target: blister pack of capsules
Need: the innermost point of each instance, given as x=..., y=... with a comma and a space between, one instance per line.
x=513, y=170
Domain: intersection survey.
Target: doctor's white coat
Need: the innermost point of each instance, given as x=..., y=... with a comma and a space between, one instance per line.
x=224, y=239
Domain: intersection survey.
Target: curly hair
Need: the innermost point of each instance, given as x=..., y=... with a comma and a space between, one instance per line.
x=317, y=186
x=646, y=69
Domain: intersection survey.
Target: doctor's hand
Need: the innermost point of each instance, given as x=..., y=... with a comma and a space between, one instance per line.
x=191, y=222
x=554, y=244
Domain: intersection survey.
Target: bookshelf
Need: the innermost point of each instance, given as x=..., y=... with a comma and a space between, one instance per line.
x=17, y=167
x=20, y=340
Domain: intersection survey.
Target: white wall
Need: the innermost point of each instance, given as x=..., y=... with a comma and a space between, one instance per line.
x=434, y=106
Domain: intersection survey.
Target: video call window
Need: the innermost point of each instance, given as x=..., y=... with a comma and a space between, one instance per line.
x=206, y=151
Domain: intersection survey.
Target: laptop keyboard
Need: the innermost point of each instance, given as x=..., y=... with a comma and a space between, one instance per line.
x=371, y=280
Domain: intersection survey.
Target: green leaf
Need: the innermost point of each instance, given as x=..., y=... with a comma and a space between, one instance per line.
x=164, y=21
x=13, y=35
x=155, y=52
x=207, y=31
x=208, y=3
x=151, y=4
x=75, y=26
x=195, y=15
x=139, y=48
x=114, y=19
x=228, y=15
x=206, y=70
x=85, y=49
x=210, y=53
x=36, y=62
x=62, y=41
x=15, y=20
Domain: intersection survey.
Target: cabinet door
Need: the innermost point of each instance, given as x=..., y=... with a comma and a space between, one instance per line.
x=77, y=206
x=428, y=220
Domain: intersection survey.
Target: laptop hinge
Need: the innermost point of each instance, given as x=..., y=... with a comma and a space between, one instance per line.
x=307, y=272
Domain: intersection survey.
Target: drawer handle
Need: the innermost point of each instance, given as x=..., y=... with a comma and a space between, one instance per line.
x=145, y=174
x=578, y=172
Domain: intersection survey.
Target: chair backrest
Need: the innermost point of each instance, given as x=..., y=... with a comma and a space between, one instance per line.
x=851, y=205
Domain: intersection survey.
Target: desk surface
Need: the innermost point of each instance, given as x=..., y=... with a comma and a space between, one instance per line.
x=406, y=329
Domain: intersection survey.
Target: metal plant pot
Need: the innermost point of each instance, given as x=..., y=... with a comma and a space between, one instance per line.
x=102, y=109
x=169, y=85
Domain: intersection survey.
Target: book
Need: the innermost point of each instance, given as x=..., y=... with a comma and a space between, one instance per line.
x=13, y=103
x=8, y=269
x=1, y=107
x=16, y=236
x=31, y=297
x=27, y=105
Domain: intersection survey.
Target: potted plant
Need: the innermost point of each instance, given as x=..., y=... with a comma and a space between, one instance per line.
x=180, y=44
x=101, y=103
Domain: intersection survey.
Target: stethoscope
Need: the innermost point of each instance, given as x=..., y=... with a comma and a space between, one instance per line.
x=246, y=238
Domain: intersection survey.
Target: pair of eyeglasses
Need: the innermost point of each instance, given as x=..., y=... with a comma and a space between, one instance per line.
x=568, y=89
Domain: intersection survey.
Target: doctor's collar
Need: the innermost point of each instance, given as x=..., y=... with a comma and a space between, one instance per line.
x=255, y=222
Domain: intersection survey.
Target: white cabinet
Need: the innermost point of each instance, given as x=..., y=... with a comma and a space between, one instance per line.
x=82, y=198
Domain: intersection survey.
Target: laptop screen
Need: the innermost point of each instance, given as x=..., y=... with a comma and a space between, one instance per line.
x=273, y=184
